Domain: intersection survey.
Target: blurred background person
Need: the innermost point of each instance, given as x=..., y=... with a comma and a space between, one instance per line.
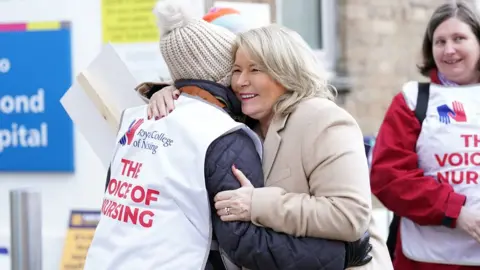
x=435, y=196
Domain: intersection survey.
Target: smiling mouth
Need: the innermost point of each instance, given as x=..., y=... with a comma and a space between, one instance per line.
x=450, y=62
x=247, y=96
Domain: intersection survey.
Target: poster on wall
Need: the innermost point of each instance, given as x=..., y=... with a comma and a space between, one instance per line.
x=36, y=134
x=132, y=29
x=255, y=14
x=81, y=229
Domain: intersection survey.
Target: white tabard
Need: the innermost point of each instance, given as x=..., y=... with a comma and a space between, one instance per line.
x=448, y=150
x=156, y=212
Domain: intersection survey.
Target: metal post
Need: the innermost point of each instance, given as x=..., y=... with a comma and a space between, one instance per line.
x=25, y=230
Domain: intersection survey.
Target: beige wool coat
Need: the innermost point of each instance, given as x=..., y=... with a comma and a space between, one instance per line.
x=317, y=179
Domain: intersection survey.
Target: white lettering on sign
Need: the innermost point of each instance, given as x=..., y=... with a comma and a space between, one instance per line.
x=23, y=103
x=21, y=136
x=4, y=65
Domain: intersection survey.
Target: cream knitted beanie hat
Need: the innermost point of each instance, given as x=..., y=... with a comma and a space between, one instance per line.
x=193, y=48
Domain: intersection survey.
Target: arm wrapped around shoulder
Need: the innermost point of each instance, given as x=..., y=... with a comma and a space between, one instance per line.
x=339, y=204
x=147, y=89
x=256, y=247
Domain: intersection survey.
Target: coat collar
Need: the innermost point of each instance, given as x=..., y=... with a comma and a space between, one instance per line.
x=272, y=142
x=220, y=92
x=434, y=77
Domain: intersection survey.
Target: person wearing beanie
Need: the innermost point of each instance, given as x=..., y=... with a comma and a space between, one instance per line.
x=229, y=18
x=158, y=207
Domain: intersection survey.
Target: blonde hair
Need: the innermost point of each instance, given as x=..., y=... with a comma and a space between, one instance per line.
x=285, y=56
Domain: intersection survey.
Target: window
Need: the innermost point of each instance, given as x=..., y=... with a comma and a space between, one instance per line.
x=315, y=21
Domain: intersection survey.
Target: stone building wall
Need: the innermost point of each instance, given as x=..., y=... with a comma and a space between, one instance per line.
x=380, y=45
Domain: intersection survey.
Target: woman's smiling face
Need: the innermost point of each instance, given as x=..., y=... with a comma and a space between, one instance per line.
x=257, y=91
x=456, y=51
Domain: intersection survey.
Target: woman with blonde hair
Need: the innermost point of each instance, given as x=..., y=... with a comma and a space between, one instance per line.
x=314, y=160
x=314, y=163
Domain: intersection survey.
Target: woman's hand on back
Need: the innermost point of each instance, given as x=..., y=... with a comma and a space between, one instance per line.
x=235, y=205
x=161, y=103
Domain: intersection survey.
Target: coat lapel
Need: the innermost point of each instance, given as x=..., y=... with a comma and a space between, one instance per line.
x=272, y=143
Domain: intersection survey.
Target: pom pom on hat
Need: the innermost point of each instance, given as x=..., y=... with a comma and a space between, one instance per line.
x=191, y=47
x=172, y=14
x=228, y=18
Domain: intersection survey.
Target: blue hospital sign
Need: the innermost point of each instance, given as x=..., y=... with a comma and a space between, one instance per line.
x=36, y=134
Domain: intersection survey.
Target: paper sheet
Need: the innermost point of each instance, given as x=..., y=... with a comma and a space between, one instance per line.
x=112, y=80
x=89, y=123
x=97, y=99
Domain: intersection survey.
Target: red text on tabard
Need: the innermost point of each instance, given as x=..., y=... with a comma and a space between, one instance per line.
x=463, y=164
x=135, y=194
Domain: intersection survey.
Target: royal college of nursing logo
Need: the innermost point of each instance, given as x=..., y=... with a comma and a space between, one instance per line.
x=130, y=134
x=145, y=139
x=457, y=113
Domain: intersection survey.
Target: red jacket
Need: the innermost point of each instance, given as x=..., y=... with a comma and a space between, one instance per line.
x=401, y=186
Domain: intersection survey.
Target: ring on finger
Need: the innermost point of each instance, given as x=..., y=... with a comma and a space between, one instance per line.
x=227, y=210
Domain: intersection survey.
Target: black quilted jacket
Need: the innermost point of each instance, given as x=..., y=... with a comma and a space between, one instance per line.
x=256, y=247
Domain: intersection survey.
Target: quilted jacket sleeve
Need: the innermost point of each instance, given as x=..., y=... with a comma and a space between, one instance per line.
x=256, y=247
